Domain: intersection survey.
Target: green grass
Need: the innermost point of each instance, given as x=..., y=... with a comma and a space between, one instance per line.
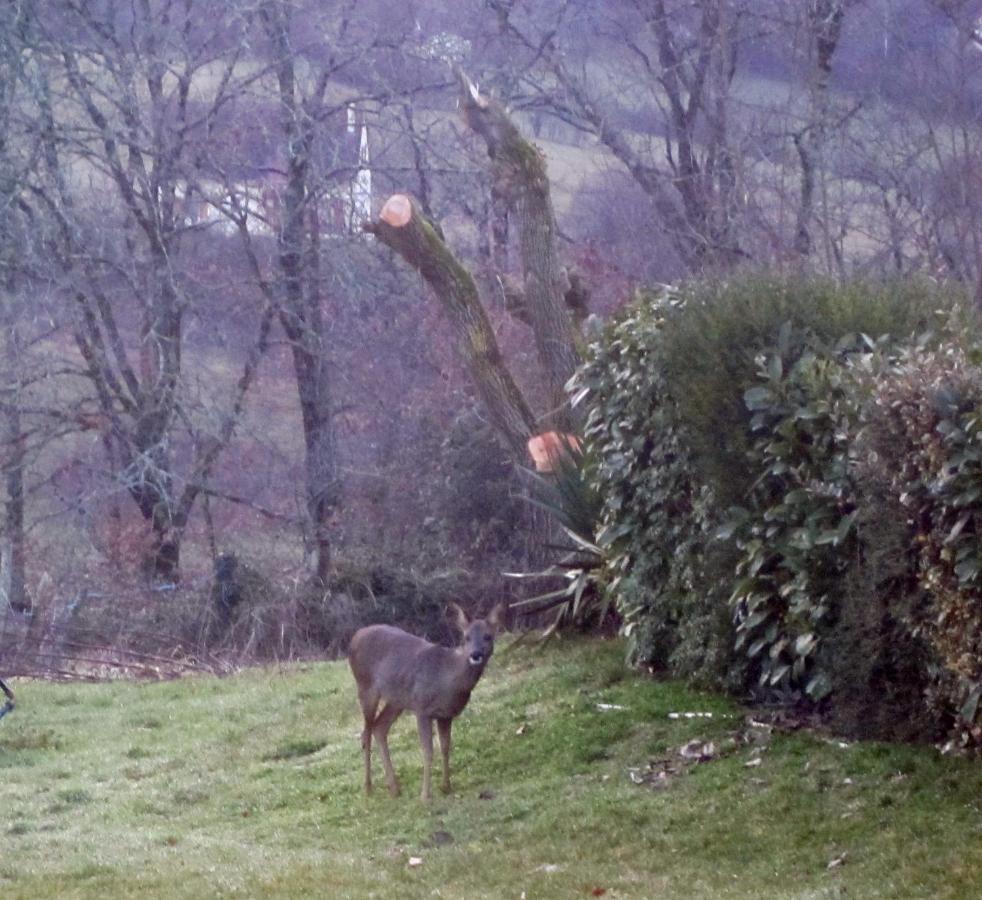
x=252, y=785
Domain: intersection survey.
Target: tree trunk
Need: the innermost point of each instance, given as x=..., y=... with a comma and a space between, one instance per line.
x=300, y=312
x=12, y=567
x=14, y=51
x=403, y=227
x=498, y=213
x=824, y=22
x=321, y=488
x=161, y=562
x=520, y=182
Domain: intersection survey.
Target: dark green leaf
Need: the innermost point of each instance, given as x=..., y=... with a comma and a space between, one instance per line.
x=758, y=398
x=818, y=687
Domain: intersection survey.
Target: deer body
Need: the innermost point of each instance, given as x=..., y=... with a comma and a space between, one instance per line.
x=402, y=671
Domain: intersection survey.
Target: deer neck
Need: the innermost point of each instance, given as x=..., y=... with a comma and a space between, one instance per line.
x=467, y=672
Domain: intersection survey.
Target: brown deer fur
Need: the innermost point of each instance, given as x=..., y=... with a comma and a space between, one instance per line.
x=402, y=671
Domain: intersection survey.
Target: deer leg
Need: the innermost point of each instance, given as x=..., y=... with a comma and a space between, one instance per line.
x=443, y=729
x=383, y=722
x=425, y=724
x=369, y=707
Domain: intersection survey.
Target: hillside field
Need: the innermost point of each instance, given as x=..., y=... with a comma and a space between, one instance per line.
x=568, y=781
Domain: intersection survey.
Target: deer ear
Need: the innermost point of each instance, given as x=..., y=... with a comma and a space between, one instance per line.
x=496, y=618
x=459, y=616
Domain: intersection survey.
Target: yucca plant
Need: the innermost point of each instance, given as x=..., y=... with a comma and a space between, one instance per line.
x=562, y=490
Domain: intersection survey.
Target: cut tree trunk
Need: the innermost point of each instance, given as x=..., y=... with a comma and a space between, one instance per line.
x=519, y=176
x=403, y=227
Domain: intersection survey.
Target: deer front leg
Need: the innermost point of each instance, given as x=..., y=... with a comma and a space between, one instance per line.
x=443, y=730
x=425, y=724
x=383, y=723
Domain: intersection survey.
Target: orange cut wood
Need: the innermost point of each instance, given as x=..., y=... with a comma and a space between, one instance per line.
x=550, y=446
x=398, y=210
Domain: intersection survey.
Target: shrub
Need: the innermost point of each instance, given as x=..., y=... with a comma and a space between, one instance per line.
x=713, y=335
x=880, y=668
x=246, y=616
x=476, y=503
x=311, y=619
x=923, y=435
x=365, y=594
x=796, y=534
x=657, y=516
x=725, y=420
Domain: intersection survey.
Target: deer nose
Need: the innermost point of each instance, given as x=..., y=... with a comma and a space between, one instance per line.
x=476, y=658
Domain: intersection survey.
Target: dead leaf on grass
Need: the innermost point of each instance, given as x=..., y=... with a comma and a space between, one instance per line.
x=654, y=775
x=699, y=751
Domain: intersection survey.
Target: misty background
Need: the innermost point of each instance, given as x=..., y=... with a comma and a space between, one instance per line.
x=219, y=393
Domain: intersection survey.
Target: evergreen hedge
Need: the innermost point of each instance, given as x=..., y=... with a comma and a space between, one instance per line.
x=741, y=435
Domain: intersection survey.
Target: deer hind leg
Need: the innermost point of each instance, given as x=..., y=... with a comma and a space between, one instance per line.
x=425, y=724
x=383, y=722
x=369, y=707
x=443, y=730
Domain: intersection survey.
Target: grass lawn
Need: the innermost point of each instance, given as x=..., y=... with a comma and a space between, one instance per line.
x=568, y=782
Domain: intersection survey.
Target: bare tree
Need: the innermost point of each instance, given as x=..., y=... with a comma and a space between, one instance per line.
x=124, y=143
x=16, y=159
x=680, y=68
x=823, y=28
x=916, y=163
x=300, y=309
x=323, y=87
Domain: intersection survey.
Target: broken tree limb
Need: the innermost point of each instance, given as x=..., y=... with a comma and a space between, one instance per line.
x=576, y=296
x=403, y=227
x=518, y=172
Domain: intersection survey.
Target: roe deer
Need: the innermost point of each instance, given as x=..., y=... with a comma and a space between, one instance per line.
x=407, y=672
